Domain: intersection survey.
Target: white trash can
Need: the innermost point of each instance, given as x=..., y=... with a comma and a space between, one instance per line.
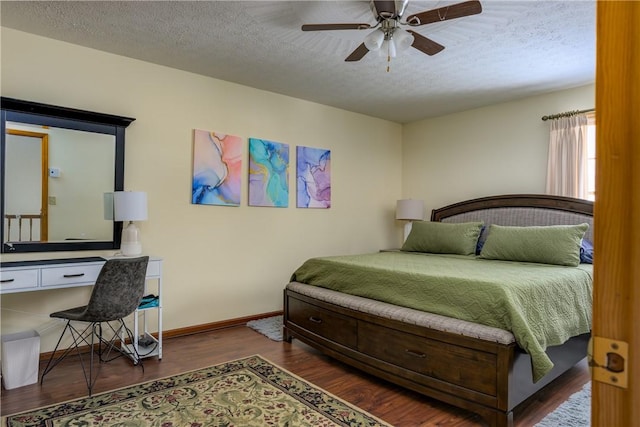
x=20, y=359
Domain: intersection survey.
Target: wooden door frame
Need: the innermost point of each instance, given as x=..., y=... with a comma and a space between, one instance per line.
x=616, y=296
x=44, y=167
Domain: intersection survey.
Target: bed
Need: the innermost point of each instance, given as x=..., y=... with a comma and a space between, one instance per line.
x=441, y=350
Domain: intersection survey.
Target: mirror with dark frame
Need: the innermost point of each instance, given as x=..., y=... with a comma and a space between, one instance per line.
x=56, y=163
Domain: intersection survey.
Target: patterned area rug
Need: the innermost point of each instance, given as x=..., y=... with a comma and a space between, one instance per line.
x=575, y=412
x=249, y=392
x=270, y=327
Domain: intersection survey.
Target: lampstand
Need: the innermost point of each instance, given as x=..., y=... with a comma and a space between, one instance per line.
x=127, y=206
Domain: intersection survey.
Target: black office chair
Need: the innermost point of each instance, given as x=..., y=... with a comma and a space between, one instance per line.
x=116, y=294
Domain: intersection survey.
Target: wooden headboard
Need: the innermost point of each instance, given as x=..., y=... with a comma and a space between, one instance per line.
x=520, y=210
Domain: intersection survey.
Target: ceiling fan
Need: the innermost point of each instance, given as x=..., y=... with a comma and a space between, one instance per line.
x=389, y=36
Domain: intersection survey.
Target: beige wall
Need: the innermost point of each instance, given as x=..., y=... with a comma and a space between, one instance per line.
x=224, y=262
x=219, y=262
x=499, y=149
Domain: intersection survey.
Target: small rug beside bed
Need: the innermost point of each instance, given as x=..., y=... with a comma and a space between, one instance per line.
x=249, y=392
x=574, y=412
x=270, y=327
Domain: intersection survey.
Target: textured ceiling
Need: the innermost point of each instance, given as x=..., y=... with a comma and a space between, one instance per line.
x=513, y=49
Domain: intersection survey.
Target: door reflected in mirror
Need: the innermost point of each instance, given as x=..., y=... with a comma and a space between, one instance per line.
x=55, y=181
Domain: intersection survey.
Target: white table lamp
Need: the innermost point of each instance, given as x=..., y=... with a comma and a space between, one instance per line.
x=409, y=210
x=130, y=206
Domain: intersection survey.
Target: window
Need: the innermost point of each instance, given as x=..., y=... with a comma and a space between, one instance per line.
x=591, y=157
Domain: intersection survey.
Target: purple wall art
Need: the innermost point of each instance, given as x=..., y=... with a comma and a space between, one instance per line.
x=313, y=177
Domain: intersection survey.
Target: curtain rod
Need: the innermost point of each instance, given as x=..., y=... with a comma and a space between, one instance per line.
x=566, y=114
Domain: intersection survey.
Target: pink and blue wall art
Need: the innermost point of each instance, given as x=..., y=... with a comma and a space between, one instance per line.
x=217, y=163
x=313, y=177
x=268, y=173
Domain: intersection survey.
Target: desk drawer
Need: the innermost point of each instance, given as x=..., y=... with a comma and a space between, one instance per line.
x=70, y=275
x=18, y=279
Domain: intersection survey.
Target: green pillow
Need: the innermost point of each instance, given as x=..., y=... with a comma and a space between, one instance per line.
x=554, y=244
x=443, y=237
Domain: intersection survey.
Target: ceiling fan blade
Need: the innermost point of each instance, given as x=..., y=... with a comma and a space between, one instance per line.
x=424, y=44
x=472, y=7
x=384, y=9
x=357, y=54
x=324, y=27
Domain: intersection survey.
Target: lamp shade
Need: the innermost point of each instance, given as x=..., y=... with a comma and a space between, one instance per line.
x=108, y=206
x=410, y=209
x=390, y=47
x=129, y=206
x=403, y=39
x=374, y=40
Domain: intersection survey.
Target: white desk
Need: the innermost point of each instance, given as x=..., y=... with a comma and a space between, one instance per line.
x=40, y=275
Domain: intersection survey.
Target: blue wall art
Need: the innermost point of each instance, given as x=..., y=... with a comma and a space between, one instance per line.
x=268, y=173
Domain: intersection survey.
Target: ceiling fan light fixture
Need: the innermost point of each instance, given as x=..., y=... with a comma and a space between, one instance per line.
x=374, y=40
x=391, y=47
x=388, y=38
x=388, y=49
x=403, y=39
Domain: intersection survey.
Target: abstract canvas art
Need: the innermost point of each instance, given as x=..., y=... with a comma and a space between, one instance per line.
x=268, y=173
x=313, y=177
x=217, y=163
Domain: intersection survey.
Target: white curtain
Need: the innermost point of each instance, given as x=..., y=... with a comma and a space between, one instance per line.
x=567, y=166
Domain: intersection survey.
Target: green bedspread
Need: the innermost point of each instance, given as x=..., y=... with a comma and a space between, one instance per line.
x=541, y=304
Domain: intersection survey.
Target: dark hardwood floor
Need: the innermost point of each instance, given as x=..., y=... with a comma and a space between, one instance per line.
x=395, y=405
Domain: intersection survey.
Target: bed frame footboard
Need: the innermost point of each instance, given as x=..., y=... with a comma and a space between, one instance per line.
x=484, y=377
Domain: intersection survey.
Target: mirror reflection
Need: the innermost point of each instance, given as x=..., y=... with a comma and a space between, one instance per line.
x=55, y=181
x=57, y=163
